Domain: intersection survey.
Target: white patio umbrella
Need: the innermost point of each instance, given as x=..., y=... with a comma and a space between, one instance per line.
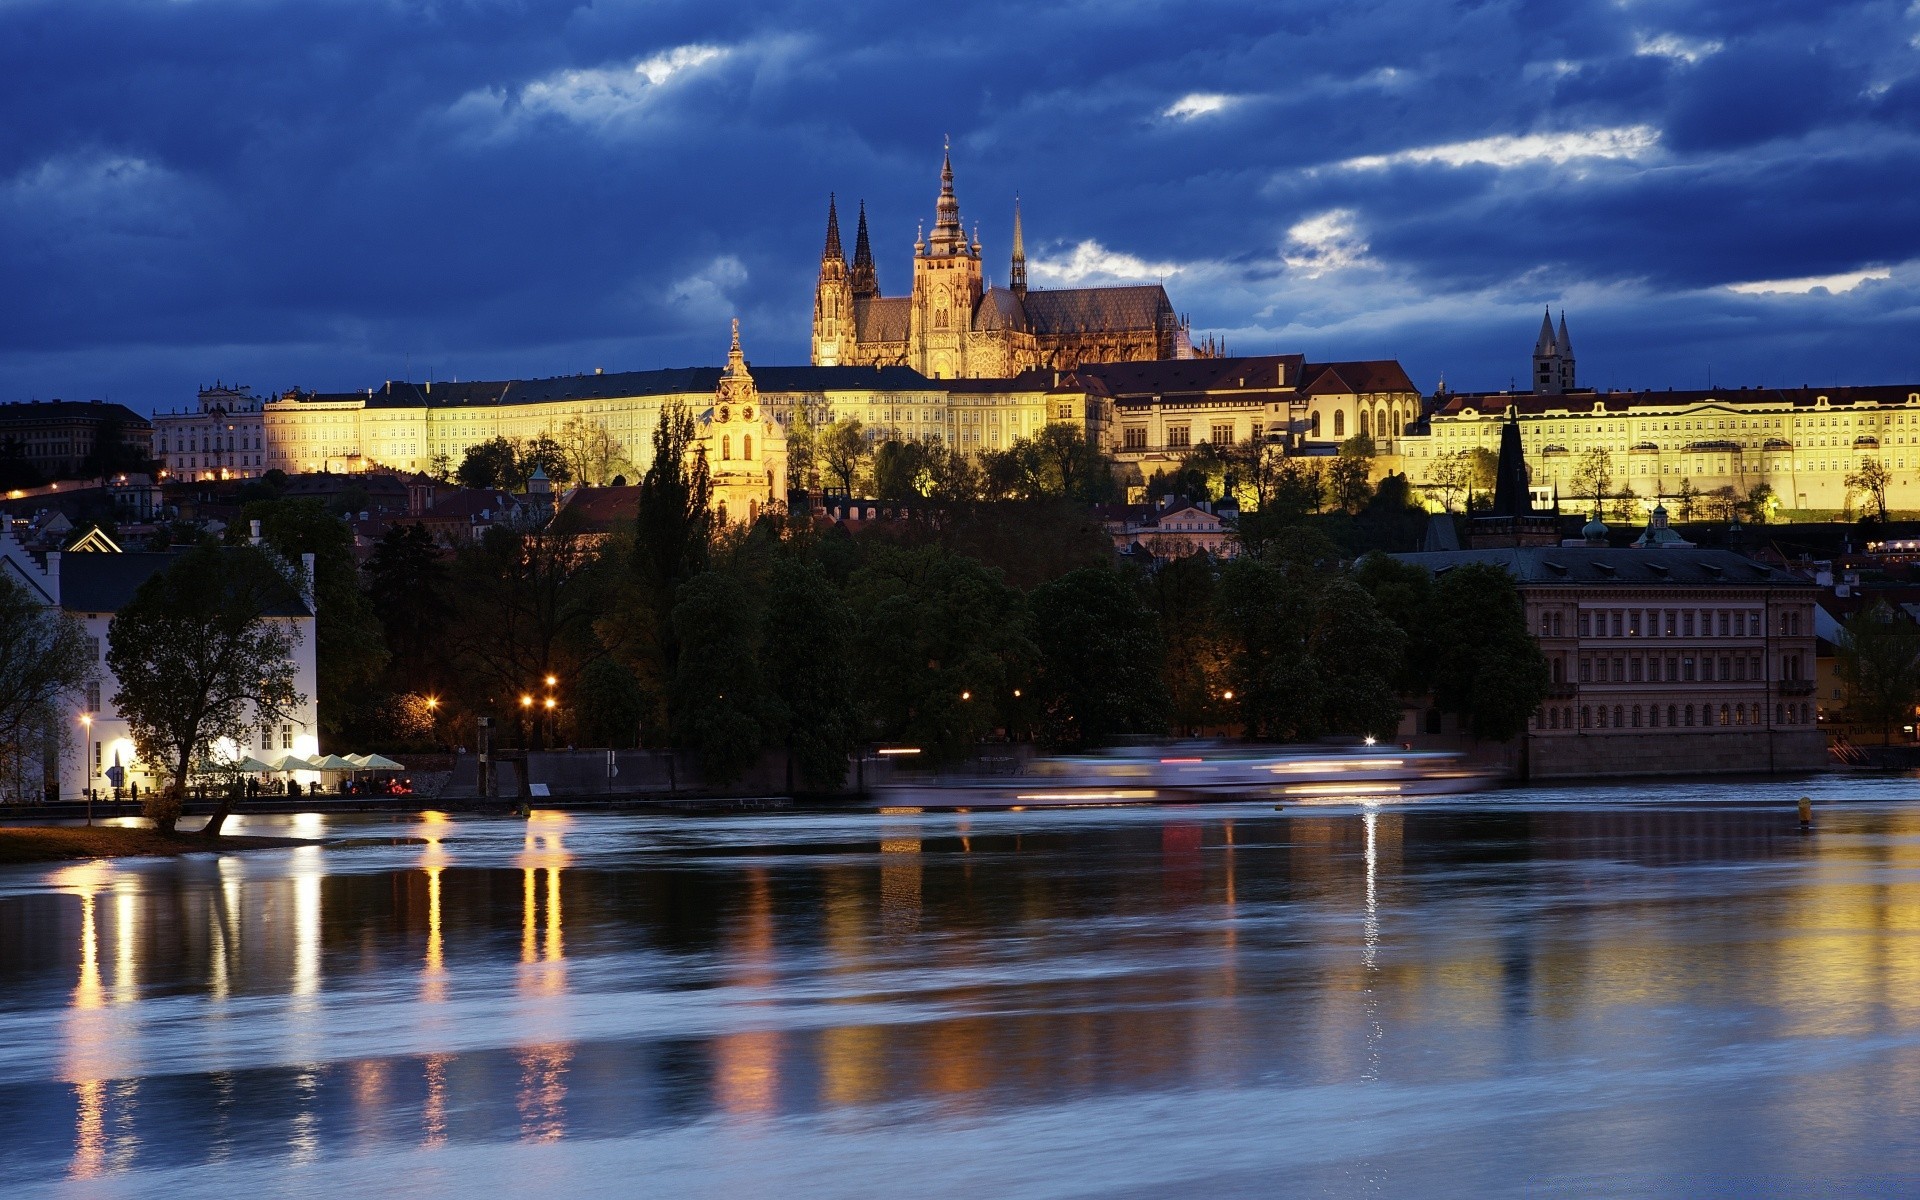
x=380, y=762
x=333, y=762
x=291, y=762
x=251, y=765
x=358, y=760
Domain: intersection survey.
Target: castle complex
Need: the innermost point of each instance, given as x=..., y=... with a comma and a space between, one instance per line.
x=952, y=326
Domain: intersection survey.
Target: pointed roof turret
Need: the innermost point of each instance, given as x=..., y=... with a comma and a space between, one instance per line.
x=736, y=382
x=1017, y=277
x=865, y=281
x=948, y=237
x=1510, y=495
x=1564, y=343
x=833, y=252
x=1546, y=345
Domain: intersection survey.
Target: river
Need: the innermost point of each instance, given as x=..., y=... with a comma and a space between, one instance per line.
x=1601, y=991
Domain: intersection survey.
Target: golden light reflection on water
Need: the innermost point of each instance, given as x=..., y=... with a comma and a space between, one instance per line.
x=542, y=945
x=433, y=860
x=746, y=1064
x=433, y=1113
x=543, y=1091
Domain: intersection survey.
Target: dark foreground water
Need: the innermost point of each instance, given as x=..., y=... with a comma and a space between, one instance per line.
x=1577, y=993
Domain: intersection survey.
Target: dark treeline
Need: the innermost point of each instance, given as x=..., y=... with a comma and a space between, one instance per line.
x=971, y=620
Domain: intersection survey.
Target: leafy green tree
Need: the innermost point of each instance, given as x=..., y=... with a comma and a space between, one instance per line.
x=1100, y=659
x=526, y=611
x=1072, y=467
x=1265, y=611
x=1878, y=666
x=897, y=470
x=675, y=511
x=1356, y=652
x=807, y=654
x=1487, y=668
x=1404, y=595
x=1762, y=503
x=611, y=704
x=1687, y=499
x=943, y=642
x=349, y=642
x=1450, y=475
x=407, y=588
x=491, y=464
x=1196, y=655
x=842, y=452
x=202, y=658
x=719, y=698
x=1348, y=488
x=1485, y=472
x=45, y=660
x=546, y=454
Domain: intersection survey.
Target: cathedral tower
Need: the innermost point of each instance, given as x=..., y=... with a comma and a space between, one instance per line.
x=833, y=326
x=866, y=284
x=1553, y=358
x=946, y=289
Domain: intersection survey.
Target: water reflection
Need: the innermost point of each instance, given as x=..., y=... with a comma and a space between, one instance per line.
x=563, y=979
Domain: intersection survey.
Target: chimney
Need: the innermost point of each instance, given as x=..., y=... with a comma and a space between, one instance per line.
x=253, y=533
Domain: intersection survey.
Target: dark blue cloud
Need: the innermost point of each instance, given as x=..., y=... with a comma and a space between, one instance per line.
x=332, y=193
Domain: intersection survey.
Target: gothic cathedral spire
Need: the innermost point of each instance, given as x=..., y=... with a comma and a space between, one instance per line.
x=1017, y=276
x=832, y=298
x=833, y=250
x=865, y=282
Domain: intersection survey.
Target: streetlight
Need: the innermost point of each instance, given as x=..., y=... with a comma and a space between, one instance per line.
x=86, y=777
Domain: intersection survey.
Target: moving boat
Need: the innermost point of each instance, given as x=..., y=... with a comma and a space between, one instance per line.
x=1193, y=772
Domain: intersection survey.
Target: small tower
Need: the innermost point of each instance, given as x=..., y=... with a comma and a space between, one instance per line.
x=1511, y=495
x=833, y=331
x=866, y=283
x=1546, y=359
x=1564, y=345
x=1017, y=275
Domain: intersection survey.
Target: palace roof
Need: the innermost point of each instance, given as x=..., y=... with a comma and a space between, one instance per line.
x=1596, y=565
x=1581, y=403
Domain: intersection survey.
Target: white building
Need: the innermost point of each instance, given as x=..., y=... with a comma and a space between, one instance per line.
x=223, y=438
x=92, y=582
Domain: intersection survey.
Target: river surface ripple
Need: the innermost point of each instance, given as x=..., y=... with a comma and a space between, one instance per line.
x=1640, y=989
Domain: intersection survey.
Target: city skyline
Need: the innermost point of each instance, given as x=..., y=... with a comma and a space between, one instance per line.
x=538, y=190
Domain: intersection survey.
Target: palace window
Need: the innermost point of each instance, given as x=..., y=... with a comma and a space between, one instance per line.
x=1136, y=437
x=1340, y=424
x=1179, y=437
x=1223, y=435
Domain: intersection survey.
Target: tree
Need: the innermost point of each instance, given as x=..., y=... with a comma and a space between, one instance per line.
x=1485, y=471
x=1593, y=478
x=1072, y=467
x=204, y=658
x=719, y=700
x=545, y=454
x=807, y=654
x=593, y=455
x=1762, y=503
x=1878, y=666
x=1870, y=479
x=842, y=450
x=1486, y=666
x=526, y=611
x=897, y=469
x=1451, y=474
x=349, y=645
x=1100, y=660
x=407, y=588
x=943, y=642
x=1687, y=499
x=45, y=659
x=1347, y=486
x=611, y=704
x=675, y=509
x=490, y=464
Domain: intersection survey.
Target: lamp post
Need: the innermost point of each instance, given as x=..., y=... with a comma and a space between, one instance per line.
x=86, y=776
x=526, y=713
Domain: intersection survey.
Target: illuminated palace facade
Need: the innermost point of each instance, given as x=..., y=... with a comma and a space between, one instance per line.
x=1801, y=442
x=953, y=325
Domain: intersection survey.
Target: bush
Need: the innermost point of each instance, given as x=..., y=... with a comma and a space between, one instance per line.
x=162, y=806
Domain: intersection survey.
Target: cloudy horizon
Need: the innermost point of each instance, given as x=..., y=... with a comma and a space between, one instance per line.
x=331, y=194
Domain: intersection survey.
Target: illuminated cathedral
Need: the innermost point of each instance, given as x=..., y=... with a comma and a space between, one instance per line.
x=952, y=326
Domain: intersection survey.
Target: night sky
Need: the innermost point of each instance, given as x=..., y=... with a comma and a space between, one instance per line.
x=329, y=193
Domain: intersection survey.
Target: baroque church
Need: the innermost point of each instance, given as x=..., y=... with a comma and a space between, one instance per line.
x=952, y=326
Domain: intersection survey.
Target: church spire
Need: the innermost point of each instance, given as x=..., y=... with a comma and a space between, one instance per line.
x=1565, y=343
x=1545, y=345
x=865, y=281
x=948, y=237
x=1017, y=277
x=1511, y=497
x=833, y=250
